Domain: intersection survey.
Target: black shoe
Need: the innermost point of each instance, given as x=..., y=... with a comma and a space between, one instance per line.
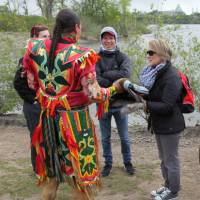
x=129, y=168
x=106, y=170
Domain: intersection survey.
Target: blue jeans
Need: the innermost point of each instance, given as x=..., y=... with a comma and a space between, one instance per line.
x=122, y=127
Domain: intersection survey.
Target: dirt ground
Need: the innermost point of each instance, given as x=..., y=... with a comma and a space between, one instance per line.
x=17, y=181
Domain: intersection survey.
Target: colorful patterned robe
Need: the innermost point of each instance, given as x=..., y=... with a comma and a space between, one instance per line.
x=65, y=139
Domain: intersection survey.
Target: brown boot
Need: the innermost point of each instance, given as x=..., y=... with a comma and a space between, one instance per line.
x=49, y=189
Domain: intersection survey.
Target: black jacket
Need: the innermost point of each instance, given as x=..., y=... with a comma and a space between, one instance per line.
x=21, y=85
x=111, y=67
x=163, y=102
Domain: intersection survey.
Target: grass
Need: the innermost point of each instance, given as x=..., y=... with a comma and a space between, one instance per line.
x=18, y=180
x=120, y=181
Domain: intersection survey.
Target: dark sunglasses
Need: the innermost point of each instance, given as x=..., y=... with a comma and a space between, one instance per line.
x=151, y=53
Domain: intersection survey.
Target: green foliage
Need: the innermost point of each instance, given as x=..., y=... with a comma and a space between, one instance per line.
x=11, y=22
x=154, y=17
x=8, y=61
x=135, y=50
x=18, y=23
x=109, y=13
x=96, y=9
x=32, y=20
x=103, y=12
x=90, y=30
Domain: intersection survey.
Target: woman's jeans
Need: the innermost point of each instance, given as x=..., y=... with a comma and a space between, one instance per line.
x=122, y=127
x=32, y=115
x=168, y=154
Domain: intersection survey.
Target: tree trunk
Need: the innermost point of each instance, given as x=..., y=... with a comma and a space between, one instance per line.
x=46, y=7
x=25, y=7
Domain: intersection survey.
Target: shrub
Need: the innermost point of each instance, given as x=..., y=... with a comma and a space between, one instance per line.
x=10, y=53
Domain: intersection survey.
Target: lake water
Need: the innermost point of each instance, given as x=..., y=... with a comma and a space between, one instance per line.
x=187, y=31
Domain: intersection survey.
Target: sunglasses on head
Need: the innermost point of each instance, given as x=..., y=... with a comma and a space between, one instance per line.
x=151, y=53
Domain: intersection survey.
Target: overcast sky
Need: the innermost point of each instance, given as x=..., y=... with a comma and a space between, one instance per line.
x=143, y=5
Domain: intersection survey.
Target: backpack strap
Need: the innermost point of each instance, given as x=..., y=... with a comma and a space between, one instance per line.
x=187, y=105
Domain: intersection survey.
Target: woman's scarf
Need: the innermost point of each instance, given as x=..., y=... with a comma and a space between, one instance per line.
x=107, y=50
x=148, y=75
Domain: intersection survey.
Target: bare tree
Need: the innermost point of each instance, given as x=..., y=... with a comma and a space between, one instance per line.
x=16, y=6
x=94, y=8
x=13, y=5
x=60, y=4
x=46, y=7
x=25, y=7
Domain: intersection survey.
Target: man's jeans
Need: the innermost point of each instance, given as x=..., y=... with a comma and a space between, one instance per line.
x=122, y=126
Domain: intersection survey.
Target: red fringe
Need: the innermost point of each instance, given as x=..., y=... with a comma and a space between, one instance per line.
x=39, y=163
x=37, y=134
x=100, y=110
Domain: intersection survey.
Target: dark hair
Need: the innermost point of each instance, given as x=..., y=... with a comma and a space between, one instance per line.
x=36, y=29
x=66, y=21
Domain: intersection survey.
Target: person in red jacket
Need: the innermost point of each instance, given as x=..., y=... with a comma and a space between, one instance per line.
x=31, y=107
x=63, y=76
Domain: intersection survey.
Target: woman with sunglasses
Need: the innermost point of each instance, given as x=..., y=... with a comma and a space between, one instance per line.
x=65, y=81
x=166, y=119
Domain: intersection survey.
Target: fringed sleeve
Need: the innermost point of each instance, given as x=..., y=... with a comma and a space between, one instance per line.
x=96, y=93
x=90, y=85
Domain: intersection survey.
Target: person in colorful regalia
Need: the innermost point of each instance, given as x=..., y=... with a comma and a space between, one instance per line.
x=63, y=75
